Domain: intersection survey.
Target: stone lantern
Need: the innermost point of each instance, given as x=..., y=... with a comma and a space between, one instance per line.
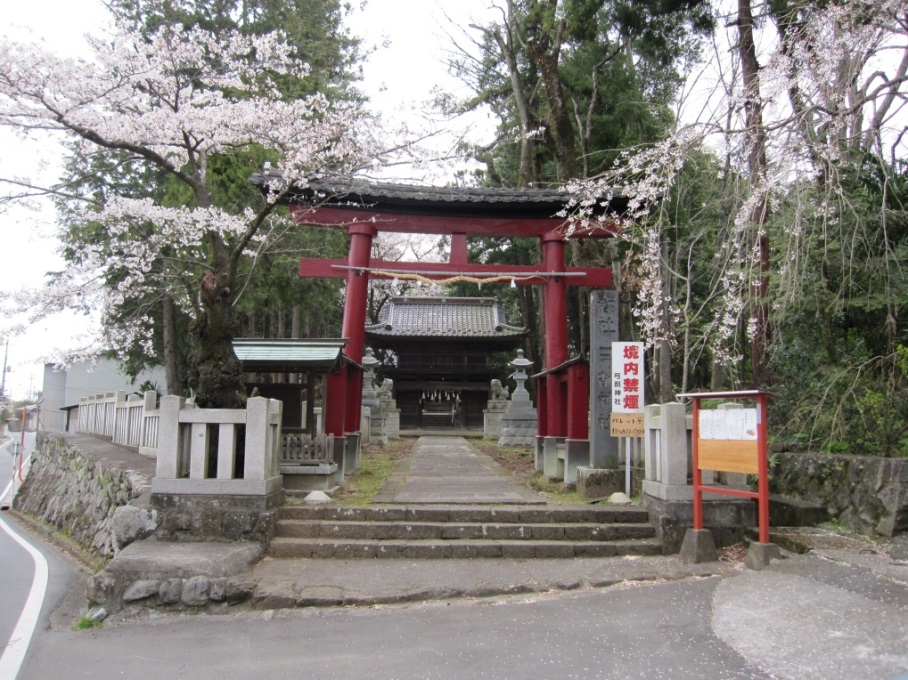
x=518, y=424
x=520, y=366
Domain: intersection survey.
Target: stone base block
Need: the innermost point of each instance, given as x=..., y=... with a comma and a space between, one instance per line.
x=785, y=511
x=539, y=445
x=211, y=517
x=340, y=458
x=594, y=483
x=576, y=454
x=759, y=555
x=516, y=440
x=352, y=452
x=491, y=424
x=309, y=477
x=726, y=519
x=552, y=464
x=698, y=546
x=518, y=429
x=176, y=574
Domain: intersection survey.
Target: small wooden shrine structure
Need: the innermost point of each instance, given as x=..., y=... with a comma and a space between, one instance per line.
x=292, y=371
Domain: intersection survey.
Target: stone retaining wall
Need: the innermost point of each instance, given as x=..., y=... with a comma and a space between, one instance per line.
x=867, y=493
x=77, y=493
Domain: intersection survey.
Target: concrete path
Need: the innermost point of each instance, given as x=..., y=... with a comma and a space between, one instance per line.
x=448, y=470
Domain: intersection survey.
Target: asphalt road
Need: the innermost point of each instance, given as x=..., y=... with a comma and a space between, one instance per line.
x=644, y=631
x=17, y=572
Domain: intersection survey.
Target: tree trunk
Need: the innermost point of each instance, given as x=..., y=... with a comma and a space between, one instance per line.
x=295, y=322
x=171, y=352
x=756, y=165
x=717, y=377
x=215, y=373
x=544, y=49
x=662, y=372
x=526, y=176
x=528, y=309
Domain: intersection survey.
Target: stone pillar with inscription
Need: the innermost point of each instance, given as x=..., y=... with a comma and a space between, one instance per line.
x=603, y=332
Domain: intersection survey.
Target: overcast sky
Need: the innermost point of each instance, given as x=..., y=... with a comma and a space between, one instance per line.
x=402, y=72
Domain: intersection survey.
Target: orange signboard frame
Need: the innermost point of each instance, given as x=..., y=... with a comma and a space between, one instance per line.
x=750, y=456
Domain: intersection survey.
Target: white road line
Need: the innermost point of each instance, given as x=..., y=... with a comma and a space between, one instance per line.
x=14, y=653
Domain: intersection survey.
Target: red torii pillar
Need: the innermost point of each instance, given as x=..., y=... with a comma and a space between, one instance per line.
x=343, y=402
x=556, y=346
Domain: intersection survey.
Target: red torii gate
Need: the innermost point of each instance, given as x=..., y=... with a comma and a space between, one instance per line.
x=364, y=210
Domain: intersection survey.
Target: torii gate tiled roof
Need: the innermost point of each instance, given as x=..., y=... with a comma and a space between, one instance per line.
x=352, y=195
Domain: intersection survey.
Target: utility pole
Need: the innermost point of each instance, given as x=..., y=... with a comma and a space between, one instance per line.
x=5, y=357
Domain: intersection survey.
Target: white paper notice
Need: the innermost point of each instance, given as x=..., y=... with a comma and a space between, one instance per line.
x=731, y=424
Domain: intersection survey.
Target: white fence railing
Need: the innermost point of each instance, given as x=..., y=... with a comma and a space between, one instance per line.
x=130, y=421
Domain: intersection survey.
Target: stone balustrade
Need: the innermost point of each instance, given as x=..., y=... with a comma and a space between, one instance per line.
x=218, y=470
x=219, y=451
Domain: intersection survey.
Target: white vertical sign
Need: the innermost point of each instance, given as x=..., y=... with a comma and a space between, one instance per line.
x=627, y=377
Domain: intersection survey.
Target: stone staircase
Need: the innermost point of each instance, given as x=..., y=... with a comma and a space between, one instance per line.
x=462, y=531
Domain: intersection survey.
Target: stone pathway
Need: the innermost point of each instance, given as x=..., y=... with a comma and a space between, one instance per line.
x=448, y=470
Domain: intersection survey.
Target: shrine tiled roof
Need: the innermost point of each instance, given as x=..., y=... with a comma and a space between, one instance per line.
x=443, y=317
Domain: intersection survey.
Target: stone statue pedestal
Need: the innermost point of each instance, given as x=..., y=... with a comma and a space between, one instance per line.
x=492, y=414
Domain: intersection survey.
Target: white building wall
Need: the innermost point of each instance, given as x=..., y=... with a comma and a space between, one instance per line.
x=66, y=387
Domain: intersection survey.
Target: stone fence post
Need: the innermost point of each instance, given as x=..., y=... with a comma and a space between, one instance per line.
x=667, y=452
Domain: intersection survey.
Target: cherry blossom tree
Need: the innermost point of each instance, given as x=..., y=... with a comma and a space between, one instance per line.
x=791, y=126
x=174, y=101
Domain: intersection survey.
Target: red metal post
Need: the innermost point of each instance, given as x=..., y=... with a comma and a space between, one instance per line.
x=354, y=398
x=578, y=401
x=354, y=328
x=335, y=402
x=698, y=476
x=459, y=253
x=542, y=406
x=763, y=465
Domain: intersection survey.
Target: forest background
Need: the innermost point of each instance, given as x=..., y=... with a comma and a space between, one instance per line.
x=767, y=239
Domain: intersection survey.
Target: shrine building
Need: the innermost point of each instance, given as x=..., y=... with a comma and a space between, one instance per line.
x=440, y=352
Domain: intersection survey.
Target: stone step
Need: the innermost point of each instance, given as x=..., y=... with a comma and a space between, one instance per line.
x=296, y=548
x=483, y=514
x=403, y=530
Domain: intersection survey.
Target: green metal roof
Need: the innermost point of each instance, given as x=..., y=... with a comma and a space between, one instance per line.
x=255, y=353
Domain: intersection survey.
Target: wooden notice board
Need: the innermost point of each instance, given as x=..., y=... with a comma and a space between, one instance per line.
x=728, y=441
x=627, y=425
x=731, y=440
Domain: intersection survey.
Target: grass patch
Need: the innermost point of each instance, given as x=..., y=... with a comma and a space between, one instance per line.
x=87, y=623
x=379, y=463
x=836, y=525
x=520, y=461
